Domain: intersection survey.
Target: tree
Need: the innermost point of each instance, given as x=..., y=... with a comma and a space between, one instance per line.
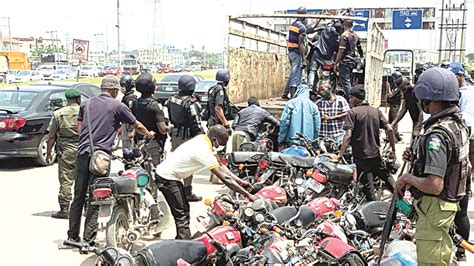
x=41, y=50
x=470, y=57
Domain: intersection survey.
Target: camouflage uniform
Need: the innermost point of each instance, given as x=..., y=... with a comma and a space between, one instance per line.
x=64, y=126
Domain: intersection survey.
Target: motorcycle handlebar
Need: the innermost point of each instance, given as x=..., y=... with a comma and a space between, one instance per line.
x=73, y=244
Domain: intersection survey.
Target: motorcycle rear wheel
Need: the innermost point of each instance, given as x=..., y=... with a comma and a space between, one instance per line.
x=117, y=228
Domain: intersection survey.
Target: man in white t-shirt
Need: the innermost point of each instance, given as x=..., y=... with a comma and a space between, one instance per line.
x=192, y=156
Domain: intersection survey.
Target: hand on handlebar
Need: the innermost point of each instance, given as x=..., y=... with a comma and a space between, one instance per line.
x=253, y=198
x=335, y=158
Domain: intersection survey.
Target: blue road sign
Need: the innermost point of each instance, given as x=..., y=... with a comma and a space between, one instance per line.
x=407, y=19
x=360, y=25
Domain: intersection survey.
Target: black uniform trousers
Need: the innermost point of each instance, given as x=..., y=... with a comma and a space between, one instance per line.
x=83, y=181
x=174, y=193
x=367, y=170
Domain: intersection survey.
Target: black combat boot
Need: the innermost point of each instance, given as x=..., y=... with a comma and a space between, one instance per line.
x=190, y=196
x=63, y=213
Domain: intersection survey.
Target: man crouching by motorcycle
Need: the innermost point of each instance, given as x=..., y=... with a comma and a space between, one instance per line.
x=186, y=160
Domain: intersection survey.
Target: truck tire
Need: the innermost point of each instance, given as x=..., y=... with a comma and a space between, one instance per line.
x=117, y=228
x=40, y=160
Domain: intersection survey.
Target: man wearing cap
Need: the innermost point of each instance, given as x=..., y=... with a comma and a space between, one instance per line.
x=466, y=105
x=149, y=112
x=105, y=115
x=63, y=132
x=362, y=126
x=248, y=121
x=184, y=112
x=440, y=166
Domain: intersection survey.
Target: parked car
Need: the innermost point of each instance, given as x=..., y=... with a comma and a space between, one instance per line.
x=150, y=68
x=25, y=114
x=103, y=72
x=27, y=75
x=89, y=71
x=164, y=69
x=63, y=74
x=202, y=89
x=10, y=77
x=112, y=71
x=168, y=86
x=177, y=69
x=46, y=71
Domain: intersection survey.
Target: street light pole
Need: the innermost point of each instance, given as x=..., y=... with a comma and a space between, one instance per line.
x=118, y=34
x=9, y=34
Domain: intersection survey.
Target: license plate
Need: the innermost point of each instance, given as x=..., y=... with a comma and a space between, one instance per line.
x=315, y=185
x=168, y=88
x=204, y=98
x=325, y=73
x=105, y=211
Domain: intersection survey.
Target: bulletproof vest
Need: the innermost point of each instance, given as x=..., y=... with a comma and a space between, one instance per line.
x=67, y=120
x=178, y=108
x=211, y=104
x=456, y=135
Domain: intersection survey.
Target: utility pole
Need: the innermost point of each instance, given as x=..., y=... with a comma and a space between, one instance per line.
x=55, y=50
x=10, y=33
x=118, y=34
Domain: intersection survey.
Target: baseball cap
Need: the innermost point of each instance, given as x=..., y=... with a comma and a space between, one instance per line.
x=110, y=82
x=457, y=68
x=72, y=93
x=358, y=91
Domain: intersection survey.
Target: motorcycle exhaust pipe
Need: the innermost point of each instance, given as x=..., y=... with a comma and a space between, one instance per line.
x=133, y=236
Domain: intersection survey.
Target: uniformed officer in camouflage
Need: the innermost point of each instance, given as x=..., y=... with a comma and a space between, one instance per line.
x=184, y=113
x=63, y=131
x=440, y=166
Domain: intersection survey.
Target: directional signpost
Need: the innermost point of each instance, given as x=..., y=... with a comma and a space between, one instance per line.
x=360, y=25
x=407, y=19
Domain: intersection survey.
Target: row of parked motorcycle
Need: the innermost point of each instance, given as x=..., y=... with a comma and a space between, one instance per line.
x=310, y=210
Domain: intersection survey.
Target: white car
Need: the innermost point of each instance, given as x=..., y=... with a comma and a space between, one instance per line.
x=46, y=71
x=89, y=71
x=27, y=75
x=62, y=74
x=11, y=75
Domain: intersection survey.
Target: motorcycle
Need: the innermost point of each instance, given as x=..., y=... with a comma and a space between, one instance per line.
x=126, y=203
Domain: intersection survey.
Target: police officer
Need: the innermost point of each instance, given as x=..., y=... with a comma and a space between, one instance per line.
x=439, y=166
x=149, y=112
x=127, y=84
x=184, y=113
x=63, y=131
x=219, y=104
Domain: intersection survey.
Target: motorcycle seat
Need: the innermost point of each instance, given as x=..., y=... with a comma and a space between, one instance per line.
x=168, y=252
x=295, y=161
x=245, y=157
x=283, y=214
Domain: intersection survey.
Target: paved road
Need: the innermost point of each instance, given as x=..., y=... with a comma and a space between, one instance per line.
x=29, y=236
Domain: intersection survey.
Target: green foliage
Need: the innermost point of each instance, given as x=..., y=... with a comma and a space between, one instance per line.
x=45, y=49
x=470, y=57
x=212, y=59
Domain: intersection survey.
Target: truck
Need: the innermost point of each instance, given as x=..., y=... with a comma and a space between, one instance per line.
x=258, y=62
x=131, y=65
x=12, y=61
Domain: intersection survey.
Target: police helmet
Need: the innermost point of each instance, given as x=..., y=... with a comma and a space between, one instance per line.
x=127, y=82
x=223, y=75
x=437, y=84
x=396, y=75
x=145, y=83
x=186, y=83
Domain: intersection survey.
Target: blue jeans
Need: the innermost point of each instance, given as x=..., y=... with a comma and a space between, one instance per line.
x=314, y=65
x=345, y=73
x=296, y=71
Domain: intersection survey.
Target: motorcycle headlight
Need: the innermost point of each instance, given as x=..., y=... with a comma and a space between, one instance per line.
x=350, y=220
x=249, y=212
x=259, y=218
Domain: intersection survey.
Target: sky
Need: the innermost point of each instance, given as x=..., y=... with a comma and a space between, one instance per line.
x=185, y=22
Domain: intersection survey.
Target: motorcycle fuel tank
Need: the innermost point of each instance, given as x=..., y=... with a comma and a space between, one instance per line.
x=223, y=234
x=273, y=193
x=323, y=205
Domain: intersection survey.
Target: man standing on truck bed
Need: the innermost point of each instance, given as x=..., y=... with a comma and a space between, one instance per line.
x=296, y=53
x=346, y=56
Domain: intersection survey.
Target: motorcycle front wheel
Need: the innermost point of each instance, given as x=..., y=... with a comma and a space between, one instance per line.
x=117, y=229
